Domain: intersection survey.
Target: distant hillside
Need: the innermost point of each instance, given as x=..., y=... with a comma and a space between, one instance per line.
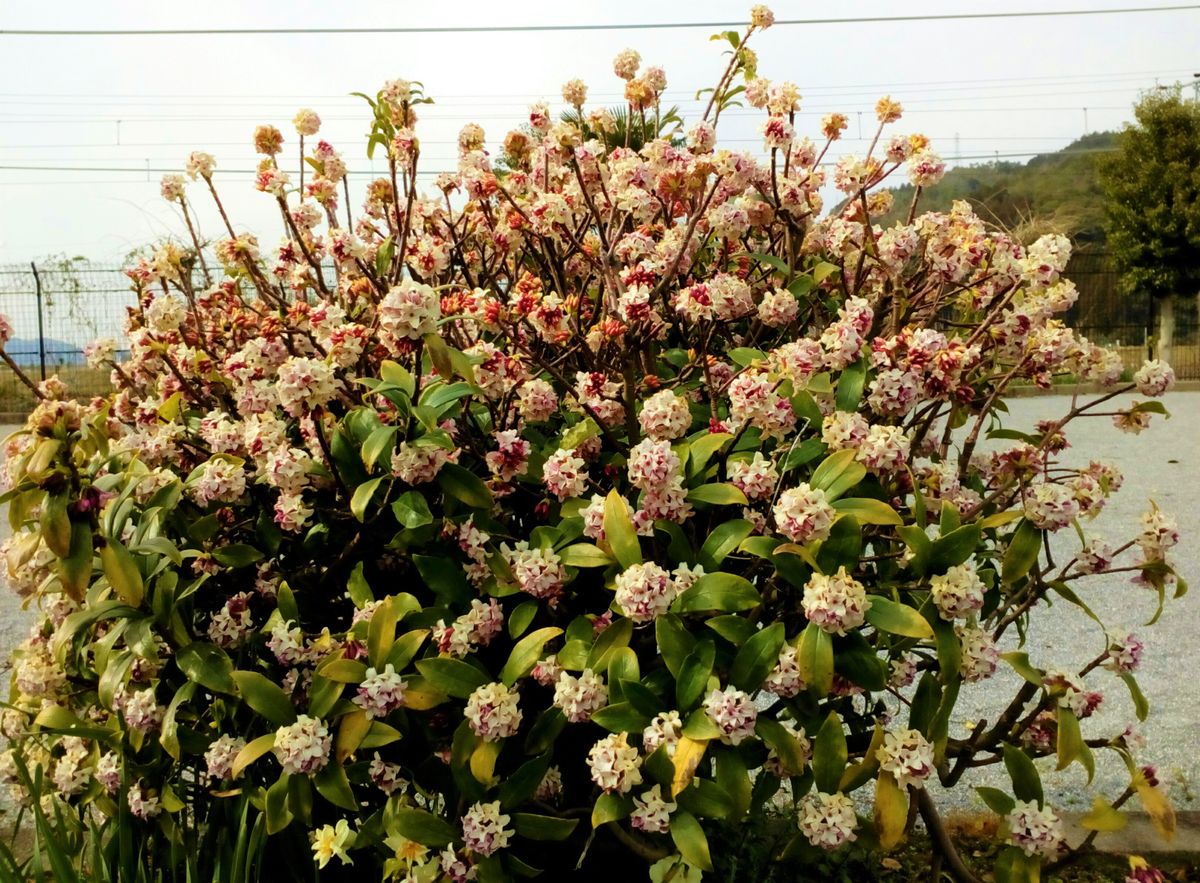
x=1057, y=190
x=24, y=351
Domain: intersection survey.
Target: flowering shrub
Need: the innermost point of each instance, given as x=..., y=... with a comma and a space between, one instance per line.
x=592, y=489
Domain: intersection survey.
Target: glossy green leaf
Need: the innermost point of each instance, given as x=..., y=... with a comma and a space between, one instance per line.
x=757, y=657
x=725, y=592
x=898, y=619
x=619, y=532
x=452, y=676
x=266, y=697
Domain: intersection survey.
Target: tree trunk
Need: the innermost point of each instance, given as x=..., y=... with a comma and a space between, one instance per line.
x=1166, y=328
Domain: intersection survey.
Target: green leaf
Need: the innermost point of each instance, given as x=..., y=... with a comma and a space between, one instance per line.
x=1140, y=706
x=333, y=785
x=702, y=449
x=237, y=555
x=1021, y=665
x=1022, y=552
x=75, y=570
x=381, y=632
x=526, y=654
x=898, y=619
x=694, y=675
x=718, y=495
x=279, y=816
x=439, y=355
x=815, y=658
x=619, y=532
x=850, y=386
x=585, y=555
x=250, y=753
x=452, y=676
x=757, y=657
x=538, y=827
x=1027, y=785
x=733, y=628
x=919, y=545
x=675, y=642
x=611, y=639
x=690, y=840
x=412, y=511
x=997, y=801
x=445, y=578
x=405, y=648
x=378, y=443
x=838, y=473
x=611, y=808
x=362, y=497
x=706, y=799
x=722, y=541
x=1070, y=745
x=954, y=548
x=423, y=827
x=121, y=571
x=725, y=592
x=56, y=524
x=357, y=587
x=169, y=736
x=207, y=665
x=829, y=754
x=786, y=746
x=621, y=717
x=465, y=486
x=868, y=511
x=265, y=697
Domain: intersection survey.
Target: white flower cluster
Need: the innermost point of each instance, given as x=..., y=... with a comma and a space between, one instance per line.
x=958, y=592
x=827, y=820
x=835, y=603
x=734, y=714
x=493, y=712
x=1036, y=830
x=484, y=828
x=644, y=592
x=302, y=748
x=381, y=692
x=615, y=764
x=579, y=697
x=803, y=515
x=906, y=755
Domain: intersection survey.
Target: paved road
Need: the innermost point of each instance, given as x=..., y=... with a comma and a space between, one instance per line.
x=1162, y=464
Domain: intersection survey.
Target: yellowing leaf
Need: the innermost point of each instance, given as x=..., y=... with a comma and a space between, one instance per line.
x=1158, y=807
x=688, y=753
x=891, y=811
x=351, y=731
x=1103, y=817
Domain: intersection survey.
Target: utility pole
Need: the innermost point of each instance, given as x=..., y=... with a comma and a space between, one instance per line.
x=1196, y=88
x=1085, y=122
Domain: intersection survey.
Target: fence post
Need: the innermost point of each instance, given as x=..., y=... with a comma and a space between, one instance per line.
x=37, y=281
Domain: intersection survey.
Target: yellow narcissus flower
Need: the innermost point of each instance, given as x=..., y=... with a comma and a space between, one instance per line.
x=330, y=840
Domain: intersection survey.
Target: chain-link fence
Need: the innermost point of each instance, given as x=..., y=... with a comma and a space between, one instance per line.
x=56, y=308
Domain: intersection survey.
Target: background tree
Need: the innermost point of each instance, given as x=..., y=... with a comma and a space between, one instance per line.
x=1152, y=187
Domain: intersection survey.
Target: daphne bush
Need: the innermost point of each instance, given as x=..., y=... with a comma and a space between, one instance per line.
x=609, y=489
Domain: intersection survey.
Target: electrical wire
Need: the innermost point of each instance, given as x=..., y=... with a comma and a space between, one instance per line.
x=631, y=26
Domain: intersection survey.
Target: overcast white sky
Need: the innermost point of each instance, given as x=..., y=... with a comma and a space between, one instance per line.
x=977, y=87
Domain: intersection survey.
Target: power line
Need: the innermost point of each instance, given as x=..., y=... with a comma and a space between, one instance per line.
x=149, y=170
x=53, y=119
x=808, y=90
x=634, y=26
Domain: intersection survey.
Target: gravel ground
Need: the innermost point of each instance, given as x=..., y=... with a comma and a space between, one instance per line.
x=1161, y=465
